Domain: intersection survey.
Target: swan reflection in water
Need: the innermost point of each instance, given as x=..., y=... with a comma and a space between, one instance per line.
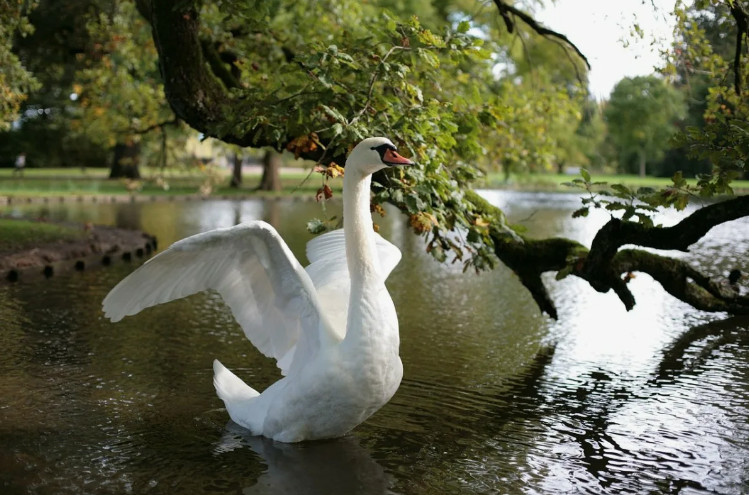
x=322, y=467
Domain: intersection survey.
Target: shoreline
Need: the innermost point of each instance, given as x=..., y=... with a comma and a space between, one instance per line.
x=102, y=246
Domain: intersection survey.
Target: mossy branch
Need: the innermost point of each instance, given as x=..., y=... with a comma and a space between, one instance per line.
x=603, y=265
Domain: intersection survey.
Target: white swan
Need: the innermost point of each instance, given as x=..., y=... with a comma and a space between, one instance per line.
x=332, y=328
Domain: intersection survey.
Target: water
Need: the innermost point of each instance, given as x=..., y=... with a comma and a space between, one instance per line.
x=496, y=397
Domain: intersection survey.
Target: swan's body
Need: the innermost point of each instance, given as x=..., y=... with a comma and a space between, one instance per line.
x=331, y=327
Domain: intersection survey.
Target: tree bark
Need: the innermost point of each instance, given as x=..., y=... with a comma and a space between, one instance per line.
x=271, y=180
x=236, y=173
x=125, y=161
x=603, y=265
x=197, y=95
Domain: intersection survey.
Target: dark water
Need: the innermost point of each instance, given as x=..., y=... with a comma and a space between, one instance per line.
x=496, y=398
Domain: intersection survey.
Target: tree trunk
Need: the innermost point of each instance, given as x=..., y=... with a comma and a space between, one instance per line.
x=236, y=175
x=125, y=161
x=271, y=180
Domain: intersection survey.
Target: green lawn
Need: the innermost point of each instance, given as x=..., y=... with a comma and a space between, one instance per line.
x=17, y=235
x=546, y=182
x=75, y=182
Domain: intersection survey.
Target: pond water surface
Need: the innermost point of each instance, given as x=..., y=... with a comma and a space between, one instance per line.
x=496, y=397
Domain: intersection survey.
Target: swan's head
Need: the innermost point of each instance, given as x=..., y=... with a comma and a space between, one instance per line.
x=373, y=154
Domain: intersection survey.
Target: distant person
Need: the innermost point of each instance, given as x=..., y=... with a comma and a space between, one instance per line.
x=20, y=164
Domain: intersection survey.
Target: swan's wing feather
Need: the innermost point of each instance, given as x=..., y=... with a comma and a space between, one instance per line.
x=331, y=247
x=329, y=273
x=252, y=268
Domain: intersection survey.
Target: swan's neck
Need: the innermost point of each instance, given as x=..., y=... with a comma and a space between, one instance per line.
x=357, y=223
x=371, y=325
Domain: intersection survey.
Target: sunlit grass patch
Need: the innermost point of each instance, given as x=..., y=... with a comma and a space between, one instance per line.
x=16, y=235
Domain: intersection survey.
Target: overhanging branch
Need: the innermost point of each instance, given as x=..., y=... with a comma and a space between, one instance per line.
x=617, y=233
x=509, y=12
x=194, y=83
x=530, y=258
x=683, y=281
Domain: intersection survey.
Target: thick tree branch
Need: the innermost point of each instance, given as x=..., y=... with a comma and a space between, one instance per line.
x=508, y=12
x=530, y=258
x=682, y=281
x=196, y=94
x=616, y=233
x=217, y=64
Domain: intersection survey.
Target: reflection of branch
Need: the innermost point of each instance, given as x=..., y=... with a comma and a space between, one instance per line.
x=508, y=12
x=674, y=361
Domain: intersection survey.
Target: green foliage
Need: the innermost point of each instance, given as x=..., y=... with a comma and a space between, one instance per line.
x=429, y=90
x=337, y=72
x=703, y=58
x=15, y=80
x=17, y=235
x=117, y=87
x=641, y=115
x=634, y=204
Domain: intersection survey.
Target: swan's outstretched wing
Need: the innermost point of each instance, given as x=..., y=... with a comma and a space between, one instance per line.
x=252, y=268
x=329, y=273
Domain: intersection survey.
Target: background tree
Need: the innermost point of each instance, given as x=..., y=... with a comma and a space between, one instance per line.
x=16, y=82
x=642, y=114
x=100, y=99
x=119, y=99
x=709, y=60
x=48, y=50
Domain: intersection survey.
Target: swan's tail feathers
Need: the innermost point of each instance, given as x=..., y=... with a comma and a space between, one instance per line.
x=229, y=387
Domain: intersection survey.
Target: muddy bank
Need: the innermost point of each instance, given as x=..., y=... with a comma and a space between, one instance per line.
x=102, y=246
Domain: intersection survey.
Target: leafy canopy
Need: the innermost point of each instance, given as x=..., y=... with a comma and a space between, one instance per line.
x=451, y=92
x=15, y=80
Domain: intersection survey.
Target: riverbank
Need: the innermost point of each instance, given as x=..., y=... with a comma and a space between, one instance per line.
x=36, y=249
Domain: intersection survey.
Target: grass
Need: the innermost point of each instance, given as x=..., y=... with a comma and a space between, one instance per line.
x=77, y=182
x=555, y=182
x=18, y=235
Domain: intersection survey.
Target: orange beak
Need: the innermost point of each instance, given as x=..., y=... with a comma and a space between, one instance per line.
x=391, y=157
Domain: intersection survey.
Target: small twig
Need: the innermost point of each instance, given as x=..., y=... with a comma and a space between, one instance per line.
x=373, y=80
